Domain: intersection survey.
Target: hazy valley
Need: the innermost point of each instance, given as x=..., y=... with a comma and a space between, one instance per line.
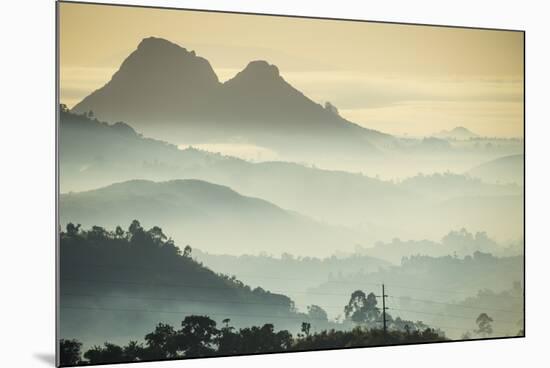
x=155, y=230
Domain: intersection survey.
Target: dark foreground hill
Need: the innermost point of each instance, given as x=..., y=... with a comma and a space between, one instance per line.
x=115, y=285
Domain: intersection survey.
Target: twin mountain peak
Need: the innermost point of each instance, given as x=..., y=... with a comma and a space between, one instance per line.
x=163, y=87
x=158, y=64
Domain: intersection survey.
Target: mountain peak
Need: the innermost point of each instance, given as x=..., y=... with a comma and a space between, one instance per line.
x=162, y=46
x=165, y=90
x=257, y=73
x=151, y=40
x=261, y=67
x=162, y=77
x=258, y=78
x=157, y=58
x=159, y=44
x=460, y=129
x=458, y=132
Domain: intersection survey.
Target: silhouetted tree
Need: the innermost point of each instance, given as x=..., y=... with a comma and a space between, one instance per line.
x=187, y=251
x=371, y=310
x=161, y=343
x=108, y=353
x=197, y=336
x=317, y=313
x=157, y=235
x=135, y=228
x=226, y=322
x=119, y=233
x=228, y=341
x=355, y=310
x=97, y=233
x=306, y=327
x=133, y=351
x=69, y=352
x=362, y=308
x=72, y=230
x=484, y=327
x=264, y=339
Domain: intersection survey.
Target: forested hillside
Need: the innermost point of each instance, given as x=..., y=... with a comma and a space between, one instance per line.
x=115, y=284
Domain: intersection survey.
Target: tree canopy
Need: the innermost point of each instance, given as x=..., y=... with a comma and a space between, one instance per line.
x=199, y=336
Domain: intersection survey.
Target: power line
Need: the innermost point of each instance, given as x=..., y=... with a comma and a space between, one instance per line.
x=459, y=305
x=240, y=274
x=450, y=291
x=221, y=302
x=192, y=313
x=227, y=288
x=359, y=282
x=273, y=292
x=226, y=315
x=207, y=301
x=445, y=315
x=383, y=296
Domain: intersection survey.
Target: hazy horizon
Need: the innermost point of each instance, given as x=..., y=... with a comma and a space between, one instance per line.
x=415, y=82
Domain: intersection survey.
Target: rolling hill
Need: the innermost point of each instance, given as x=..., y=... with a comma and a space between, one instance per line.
x=205, y=215
x=96, y=154
x=508, y=169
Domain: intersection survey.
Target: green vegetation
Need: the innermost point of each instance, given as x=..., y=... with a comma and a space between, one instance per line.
x=143, y=266
x=142, y=270
x=199, y=336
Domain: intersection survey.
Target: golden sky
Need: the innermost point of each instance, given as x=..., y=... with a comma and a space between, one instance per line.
x=400, y=79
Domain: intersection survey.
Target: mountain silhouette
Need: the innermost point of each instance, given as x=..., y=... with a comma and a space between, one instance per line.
x=459, y=133
x=168, y=92
x=159, y=80
x=259, y=95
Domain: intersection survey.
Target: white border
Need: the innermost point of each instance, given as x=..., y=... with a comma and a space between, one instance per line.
x=27, y=182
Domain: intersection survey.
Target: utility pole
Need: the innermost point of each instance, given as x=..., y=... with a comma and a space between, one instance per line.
x=384, y=296
x=384, y=308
